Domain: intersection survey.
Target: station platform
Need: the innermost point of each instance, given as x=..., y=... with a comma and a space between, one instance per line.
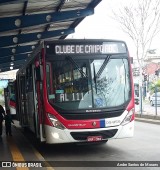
x=17, y=152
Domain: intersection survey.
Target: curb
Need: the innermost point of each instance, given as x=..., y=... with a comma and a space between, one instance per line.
x=148, y=118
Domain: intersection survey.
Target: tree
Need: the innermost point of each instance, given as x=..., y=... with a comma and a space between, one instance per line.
x=153, y=85
x=141, y=21
x=1, y=91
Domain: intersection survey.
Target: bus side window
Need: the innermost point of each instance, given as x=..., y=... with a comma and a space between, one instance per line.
x=49, y=78
x=39, y=73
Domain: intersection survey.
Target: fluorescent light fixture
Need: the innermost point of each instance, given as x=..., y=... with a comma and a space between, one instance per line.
x=12, y=63
x=11, y=67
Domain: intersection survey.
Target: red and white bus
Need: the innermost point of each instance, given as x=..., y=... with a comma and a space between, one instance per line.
x=10, y=98
x=77, y=91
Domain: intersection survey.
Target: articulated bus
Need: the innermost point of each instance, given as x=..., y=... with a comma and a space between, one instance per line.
x=77, y=91
x=10, y=98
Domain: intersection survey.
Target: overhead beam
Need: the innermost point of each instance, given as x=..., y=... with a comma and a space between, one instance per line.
x=73, y=25
x=24, y=38
x=24, y=8
x=19, y=22
x=4, y=69
x=11, y=1
x=24, y=12
x=4, y=52
x=93, y=4
x=7, y=64
x=14, y=58
x=59, y=7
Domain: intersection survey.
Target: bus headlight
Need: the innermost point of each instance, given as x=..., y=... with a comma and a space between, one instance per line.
x=55, y=122
x=129, y=117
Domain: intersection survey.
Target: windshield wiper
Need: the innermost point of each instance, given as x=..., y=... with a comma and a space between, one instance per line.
x=103, y=66
x=99, y=71
x=77, y=66
x=94, y=78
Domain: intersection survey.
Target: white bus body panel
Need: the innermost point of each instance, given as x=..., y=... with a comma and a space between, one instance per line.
x=126, y=131
x=12, y=110
x=54, y=135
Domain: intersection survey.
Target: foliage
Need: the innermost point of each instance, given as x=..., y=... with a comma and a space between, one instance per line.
x=1, y=97
x=1, y=91
x=153, y=85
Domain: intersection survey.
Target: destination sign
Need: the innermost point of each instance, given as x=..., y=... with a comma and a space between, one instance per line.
x=106, y=48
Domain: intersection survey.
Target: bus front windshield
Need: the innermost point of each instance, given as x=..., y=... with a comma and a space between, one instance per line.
x=88, y=83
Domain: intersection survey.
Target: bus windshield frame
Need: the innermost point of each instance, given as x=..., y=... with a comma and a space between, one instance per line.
x=90, y=71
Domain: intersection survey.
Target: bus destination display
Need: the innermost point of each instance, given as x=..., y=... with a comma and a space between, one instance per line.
x=105, y=48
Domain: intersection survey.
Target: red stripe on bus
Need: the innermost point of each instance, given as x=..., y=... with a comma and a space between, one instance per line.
x=13, y=104
x=80, y=124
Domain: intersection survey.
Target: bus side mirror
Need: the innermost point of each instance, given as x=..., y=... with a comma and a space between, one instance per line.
x=39, y=73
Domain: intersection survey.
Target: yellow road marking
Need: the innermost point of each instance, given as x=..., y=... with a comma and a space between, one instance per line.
x=40, y=157
x=16, y=154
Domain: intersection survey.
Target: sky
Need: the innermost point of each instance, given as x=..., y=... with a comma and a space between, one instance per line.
x=101, y=25
x=3, y=83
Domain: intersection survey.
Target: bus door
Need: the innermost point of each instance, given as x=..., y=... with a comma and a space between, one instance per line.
x=23, y=110
x=30, y=97
x=39, y=104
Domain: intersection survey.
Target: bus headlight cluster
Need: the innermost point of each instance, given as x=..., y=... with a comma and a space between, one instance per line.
x=129, y=117
x=55, y=122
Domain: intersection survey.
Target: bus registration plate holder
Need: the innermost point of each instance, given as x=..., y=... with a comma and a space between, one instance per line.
x=94, y=138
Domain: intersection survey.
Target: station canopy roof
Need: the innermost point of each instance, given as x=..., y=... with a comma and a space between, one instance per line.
x=25, y=23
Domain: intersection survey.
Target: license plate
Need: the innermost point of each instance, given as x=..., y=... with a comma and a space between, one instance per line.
x=94, y=138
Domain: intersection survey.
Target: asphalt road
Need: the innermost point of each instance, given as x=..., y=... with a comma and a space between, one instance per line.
x=144, y=146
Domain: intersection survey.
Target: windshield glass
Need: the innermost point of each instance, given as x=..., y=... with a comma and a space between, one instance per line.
x=87, y=84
